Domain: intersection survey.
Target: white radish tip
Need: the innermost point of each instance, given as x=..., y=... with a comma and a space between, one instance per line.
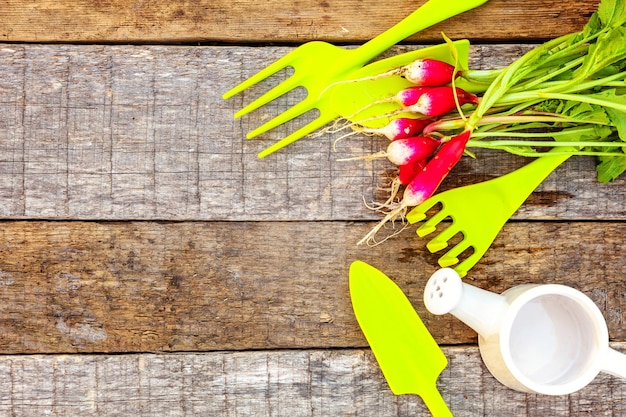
x=415, y=72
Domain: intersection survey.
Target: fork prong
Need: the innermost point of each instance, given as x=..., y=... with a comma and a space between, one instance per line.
x=268, y=71
x=275, y=92
x=289, y=114
x=324, y=118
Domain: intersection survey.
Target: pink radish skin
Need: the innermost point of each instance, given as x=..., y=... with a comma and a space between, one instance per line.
x=438, y=101
x=405, y=97
x=410, y=95
x=407, y=172
x=400, y=128
x=428, y=72
x=407, y=150
x=425, y=182
x=429, y=101
x=403, y=151
x=403, y=127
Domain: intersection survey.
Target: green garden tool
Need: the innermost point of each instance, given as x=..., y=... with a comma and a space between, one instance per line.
x=479, y=211
x=318, y=65
x=409, y=357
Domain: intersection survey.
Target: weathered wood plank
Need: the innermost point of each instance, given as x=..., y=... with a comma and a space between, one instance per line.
x=144, y=287
x=270, y=21
x=127, y=132
x=285, y=383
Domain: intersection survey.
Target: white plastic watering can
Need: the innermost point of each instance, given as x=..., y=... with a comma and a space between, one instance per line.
x=546, y=339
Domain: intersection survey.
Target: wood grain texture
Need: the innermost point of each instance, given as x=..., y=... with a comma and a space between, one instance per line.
x=143, y=287
x=141, y=132
x=140, y=21
x=306, y=383
x=151, y=265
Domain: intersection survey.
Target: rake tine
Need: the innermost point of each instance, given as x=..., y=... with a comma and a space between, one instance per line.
x=268, y=71
x=430, y=225
x=473, y=259
x=451, y=257
x=289, y=114
x=440, y=241
x=468, y=263
x=323, y=119
x=419, y=213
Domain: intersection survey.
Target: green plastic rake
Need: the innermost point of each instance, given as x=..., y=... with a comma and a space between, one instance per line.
x=479, y=211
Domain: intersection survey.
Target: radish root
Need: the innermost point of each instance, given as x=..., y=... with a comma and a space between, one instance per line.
x=398, y=212
x=377, y=155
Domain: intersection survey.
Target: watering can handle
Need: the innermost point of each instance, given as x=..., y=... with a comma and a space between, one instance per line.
x=615, y=363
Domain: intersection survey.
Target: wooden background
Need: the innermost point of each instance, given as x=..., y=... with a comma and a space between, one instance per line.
x=151, y=265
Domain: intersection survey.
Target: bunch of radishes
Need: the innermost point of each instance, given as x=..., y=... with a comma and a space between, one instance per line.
x=567, y=95
x=423, y=161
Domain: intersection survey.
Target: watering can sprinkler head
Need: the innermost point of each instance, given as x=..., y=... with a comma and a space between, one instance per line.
x=481, y=310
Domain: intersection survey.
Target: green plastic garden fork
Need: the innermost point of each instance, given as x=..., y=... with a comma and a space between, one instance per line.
x=318, y=65
x=480, y=210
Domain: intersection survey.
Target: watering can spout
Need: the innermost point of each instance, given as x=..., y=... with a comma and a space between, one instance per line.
x=481, y=310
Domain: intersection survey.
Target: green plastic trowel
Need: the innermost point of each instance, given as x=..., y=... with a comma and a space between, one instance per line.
x=409, y=357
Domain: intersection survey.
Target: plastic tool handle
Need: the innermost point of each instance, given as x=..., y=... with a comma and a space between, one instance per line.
x=528, y=177
x=615, y=363
x=436, y=404
x=429, y=14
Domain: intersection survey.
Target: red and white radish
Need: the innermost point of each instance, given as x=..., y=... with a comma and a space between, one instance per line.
x=404, y=151
x=438, y=101
x=428, y=72
x=425, y=72
x=407, y=150
x=427, y=101
x=426, y=181
x=400, y=128
x=407, y=96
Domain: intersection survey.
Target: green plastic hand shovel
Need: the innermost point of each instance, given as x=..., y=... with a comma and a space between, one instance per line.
x=409, y=357
x=318, y=65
